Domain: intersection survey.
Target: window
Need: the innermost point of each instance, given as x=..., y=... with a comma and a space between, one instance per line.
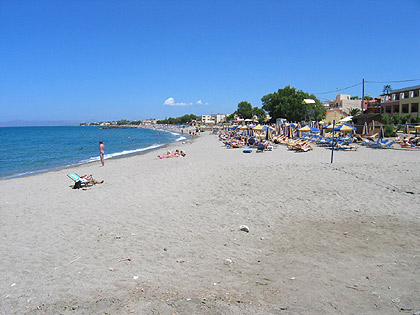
x=404, y=109
x=415, y=107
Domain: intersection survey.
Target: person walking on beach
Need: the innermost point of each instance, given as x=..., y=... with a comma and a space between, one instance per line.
x=102, y=152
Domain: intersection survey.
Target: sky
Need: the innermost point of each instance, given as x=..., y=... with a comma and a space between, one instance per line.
x=109, y=60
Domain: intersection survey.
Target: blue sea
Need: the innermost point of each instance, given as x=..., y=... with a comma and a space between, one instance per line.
x=30, y=150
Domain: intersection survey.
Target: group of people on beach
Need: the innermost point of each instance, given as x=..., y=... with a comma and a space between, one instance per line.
x=170, y=154
x=410, y=143
x=236, y=140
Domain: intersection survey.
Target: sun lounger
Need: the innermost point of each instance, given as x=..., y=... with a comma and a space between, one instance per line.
x=382, y=145
x=83, y=181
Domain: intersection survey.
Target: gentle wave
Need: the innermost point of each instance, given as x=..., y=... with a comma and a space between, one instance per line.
x=169, y=131
x=56, y=148
x=153, y=146
x=92, y=159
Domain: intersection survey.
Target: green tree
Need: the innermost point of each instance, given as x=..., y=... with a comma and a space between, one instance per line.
x=186, y=119
x=123, y=122
x=260, y=113
x=400, y=118
x=230, y=117
x=244, y=110
x=354, y=98
x=389, y=127
x=287, y=103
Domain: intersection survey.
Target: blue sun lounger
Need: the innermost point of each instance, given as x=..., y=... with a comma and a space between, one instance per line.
x=382, y=145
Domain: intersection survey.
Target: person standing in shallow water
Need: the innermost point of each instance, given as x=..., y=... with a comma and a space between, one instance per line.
x=102, y=152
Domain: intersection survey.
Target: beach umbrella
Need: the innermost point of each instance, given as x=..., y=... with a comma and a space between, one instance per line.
x=373, y=125
x=346, y=119
x=330, y=126
x=381, y=132
x=244, y=127
x=258, y=128
x=308, y=128
x=345, y=128
x=265, y=128
x=417, y=127
x=291, y=132
x=268, y=133
x=406, y=128
x=365, y=131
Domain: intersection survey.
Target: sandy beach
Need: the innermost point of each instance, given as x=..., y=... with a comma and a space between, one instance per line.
x=163, y=236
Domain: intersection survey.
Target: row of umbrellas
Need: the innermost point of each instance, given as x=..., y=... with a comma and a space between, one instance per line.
x=288, y=128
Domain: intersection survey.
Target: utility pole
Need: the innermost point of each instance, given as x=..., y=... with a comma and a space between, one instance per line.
x=332, y=144
x=363, y=95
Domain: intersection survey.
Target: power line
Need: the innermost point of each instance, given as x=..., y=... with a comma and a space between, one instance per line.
x=397, y=81
x=336, y=90
x=366, y=81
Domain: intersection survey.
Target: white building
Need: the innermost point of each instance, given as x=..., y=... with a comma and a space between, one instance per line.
x=212, y=119
x=344, y=103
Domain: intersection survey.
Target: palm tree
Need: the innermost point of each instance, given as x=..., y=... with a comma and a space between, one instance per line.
x=354, y=111
x=387, y=89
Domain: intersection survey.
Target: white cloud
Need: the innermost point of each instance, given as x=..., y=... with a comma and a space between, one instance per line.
x=200, y=102
x=171, y=102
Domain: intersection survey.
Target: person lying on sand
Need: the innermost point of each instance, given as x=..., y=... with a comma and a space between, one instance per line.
x=170, y=154
x=91, y=179
x=179, y=153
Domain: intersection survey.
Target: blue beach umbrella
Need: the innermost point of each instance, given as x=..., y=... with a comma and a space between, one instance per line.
x=291, y=132
x=265, y=128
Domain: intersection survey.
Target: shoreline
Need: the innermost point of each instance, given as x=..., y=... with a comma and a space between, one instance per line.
x=163, y=236
x=38, y=172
